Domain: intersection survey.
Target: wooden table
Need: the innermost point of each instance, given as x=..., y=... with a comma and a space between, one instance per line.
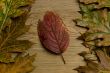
x=46, y=62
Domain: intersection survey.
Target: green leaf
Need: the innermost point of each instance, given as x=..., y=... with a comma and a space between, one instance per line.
x=17, y=46
x=96, y=19
x=6, y=57
x=12, y=25
x=98, y=24
x=98, y=3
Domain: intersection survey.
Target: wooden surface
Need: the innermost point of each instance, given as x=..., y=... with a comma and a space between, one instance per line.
x=46, y=62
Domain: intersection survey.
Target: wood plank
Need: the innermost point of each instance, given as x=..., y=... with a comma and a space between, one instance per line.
x=46, y=62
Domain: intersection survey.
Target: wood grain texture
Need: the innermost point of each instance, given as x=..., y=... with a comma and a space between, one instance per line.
x=46, y=62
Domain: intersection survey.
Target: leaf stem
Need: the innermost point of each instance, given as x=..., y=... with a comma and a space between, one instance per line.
x=63, y=59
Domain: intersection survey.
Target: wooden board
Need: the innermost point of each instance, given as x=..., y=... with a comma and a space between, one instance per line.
x=46, y=62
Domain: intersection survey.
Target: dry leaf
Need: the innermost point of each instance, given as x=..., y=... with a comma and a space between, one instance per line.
x=97, y=24
x=16, y=7
x=104, y=59
x=12, y=27
x=13, y=15
x=97, y=3
x=8, y=40
x=96, y=19
x=52, y=33
x=93, y=67
x=21, y=65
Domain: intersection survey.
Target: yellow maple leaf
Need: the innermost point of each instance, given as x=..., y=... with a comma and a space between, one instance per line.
x=21, y=65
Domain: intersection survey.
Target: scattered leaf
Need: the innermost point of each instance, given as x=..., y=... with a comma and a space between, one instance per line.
x=94, y=67
x=21, y=65
x=12, y=27
x=8, y=39
x=104, y=59
x=13, y=15
x=96, y=19
x=97, y=3
x=97, y=23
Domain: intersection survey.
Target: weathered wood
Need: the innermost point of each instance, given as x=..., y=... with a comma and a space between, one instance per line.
x=47, y=62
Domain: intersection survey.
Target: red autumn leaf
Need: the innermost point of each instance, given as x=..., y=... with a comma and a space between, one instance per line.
x=52, y=33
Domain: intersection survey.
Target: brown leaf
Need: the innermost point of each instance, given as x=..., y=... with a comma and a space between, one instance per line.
x=12, y=26
x=9, y=42
x=92, y=66
x=21, y=65
x=104, y=59
x=97, y=23
x=96, y=18
x=13, y=16
x=52, y=33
